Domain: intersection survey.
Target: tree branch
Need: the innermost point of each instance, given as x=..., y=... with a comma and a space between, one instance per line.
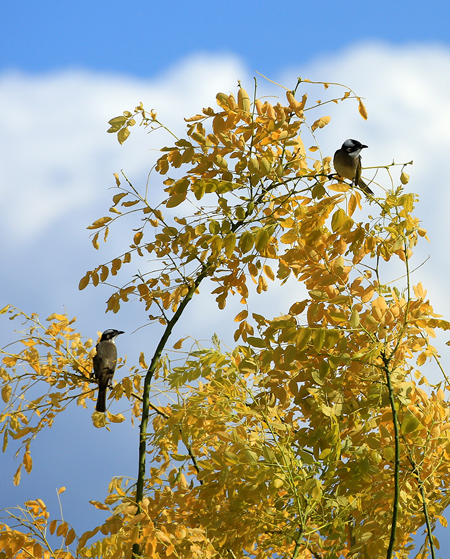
x=146, y=394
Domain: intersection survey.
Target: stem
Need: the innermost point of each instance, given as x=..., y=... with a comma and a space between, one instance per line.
x=396, y=460
x=424, y=505
x=146, y=394
x=298, y=541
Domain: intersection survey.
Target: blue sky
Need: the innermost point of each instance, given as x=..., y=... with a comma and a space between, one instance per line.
x=66, y=68
x=143, y=38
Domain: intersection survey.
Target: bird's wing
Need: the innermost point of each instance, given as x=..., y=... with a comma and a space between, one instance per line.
x=358, y=180
x=358, y=171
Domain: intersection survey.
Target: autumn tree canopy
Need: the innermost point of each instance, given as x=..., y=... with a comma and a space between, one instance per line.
x=317, y=435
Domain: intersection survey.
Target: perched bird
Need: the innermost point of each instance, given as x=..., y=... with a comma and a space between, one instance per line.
x=104, y=365
x=347, y=163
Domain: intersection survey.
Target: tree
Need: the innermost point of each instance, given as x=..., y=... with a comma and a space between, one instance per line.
x=318, y=434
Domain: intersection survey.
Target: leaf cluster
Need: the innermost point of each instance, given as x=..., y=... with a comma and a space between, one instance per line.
x=318, y=434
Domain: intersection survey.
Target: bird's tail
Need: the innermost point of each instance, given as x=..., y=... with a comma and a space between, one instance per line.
x=363, y=186
x=101, y=400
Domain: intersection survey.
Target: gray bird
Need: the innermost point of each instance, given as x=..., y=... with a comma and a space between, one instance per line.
x=347, y=163
x=104, y=362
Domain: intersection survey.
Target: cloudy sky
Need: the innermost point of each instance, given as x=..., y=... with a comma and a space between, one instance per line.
x=67, y=68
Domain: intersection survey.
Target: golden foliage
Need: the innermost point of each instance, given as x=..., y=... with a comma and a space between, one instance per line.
x=314, y=434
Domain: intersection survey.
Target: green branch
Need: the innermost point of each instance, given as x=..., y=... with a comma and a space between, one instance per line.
x=146, y=394
x=396, y=459
x=424, y=504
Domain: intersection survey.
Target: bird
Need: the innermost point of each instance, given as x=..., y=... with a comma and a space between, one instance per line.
x=104, y=362
x=347, y=163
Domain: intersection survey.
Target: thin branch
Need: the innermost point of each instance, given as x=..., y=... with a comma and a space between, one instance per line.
x=424, y=504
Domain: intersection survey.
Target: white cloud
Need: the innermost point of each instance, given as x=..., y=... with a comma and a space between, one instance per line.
x=56, y=157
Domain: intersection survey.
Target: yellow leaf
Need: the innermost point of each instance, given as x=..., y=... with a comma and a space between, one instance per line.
x=6, y=393
x=130, y=203
x=404, y=178
x=194, y=118
x=229, y=244
x=269, y=272
x=117, y=122
x=297, y=308
x=290, y=237
x=95, y=242
x=246, y=241
x=118, y=197
x=302, y=338
x=407, y=201
x=176, y=199
x=388, y=453
x=264, y=166
x=338, y=316
x=354, y=319
x=262, y=238
x=142, y=362
x=277, y=483
x=256, y=342
x=84, y=281
x=123, y=134
x=178, y=344
x=62, y=530
x=244, y=100
x=116, y=265
x=409, y=424
x=320, y=123
x=16, y=478
x=99, y=505
x=303, y=101
x=70, y=536
x=241, y=316
x=367, y=294
x=253, y=165
x=340, y=187
x=28, y=462
x=100, y=222
x=222, y=100
x=240, y=213
x=293, y=103
x=118, y=418
x=319, y=339
x=325, y=453
x=421, y=359
x=262, y=285
x=352, y=203
x=61, y=490
x=340, y=221
x=199, y=138
x=362, y=110
x=138, y=237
